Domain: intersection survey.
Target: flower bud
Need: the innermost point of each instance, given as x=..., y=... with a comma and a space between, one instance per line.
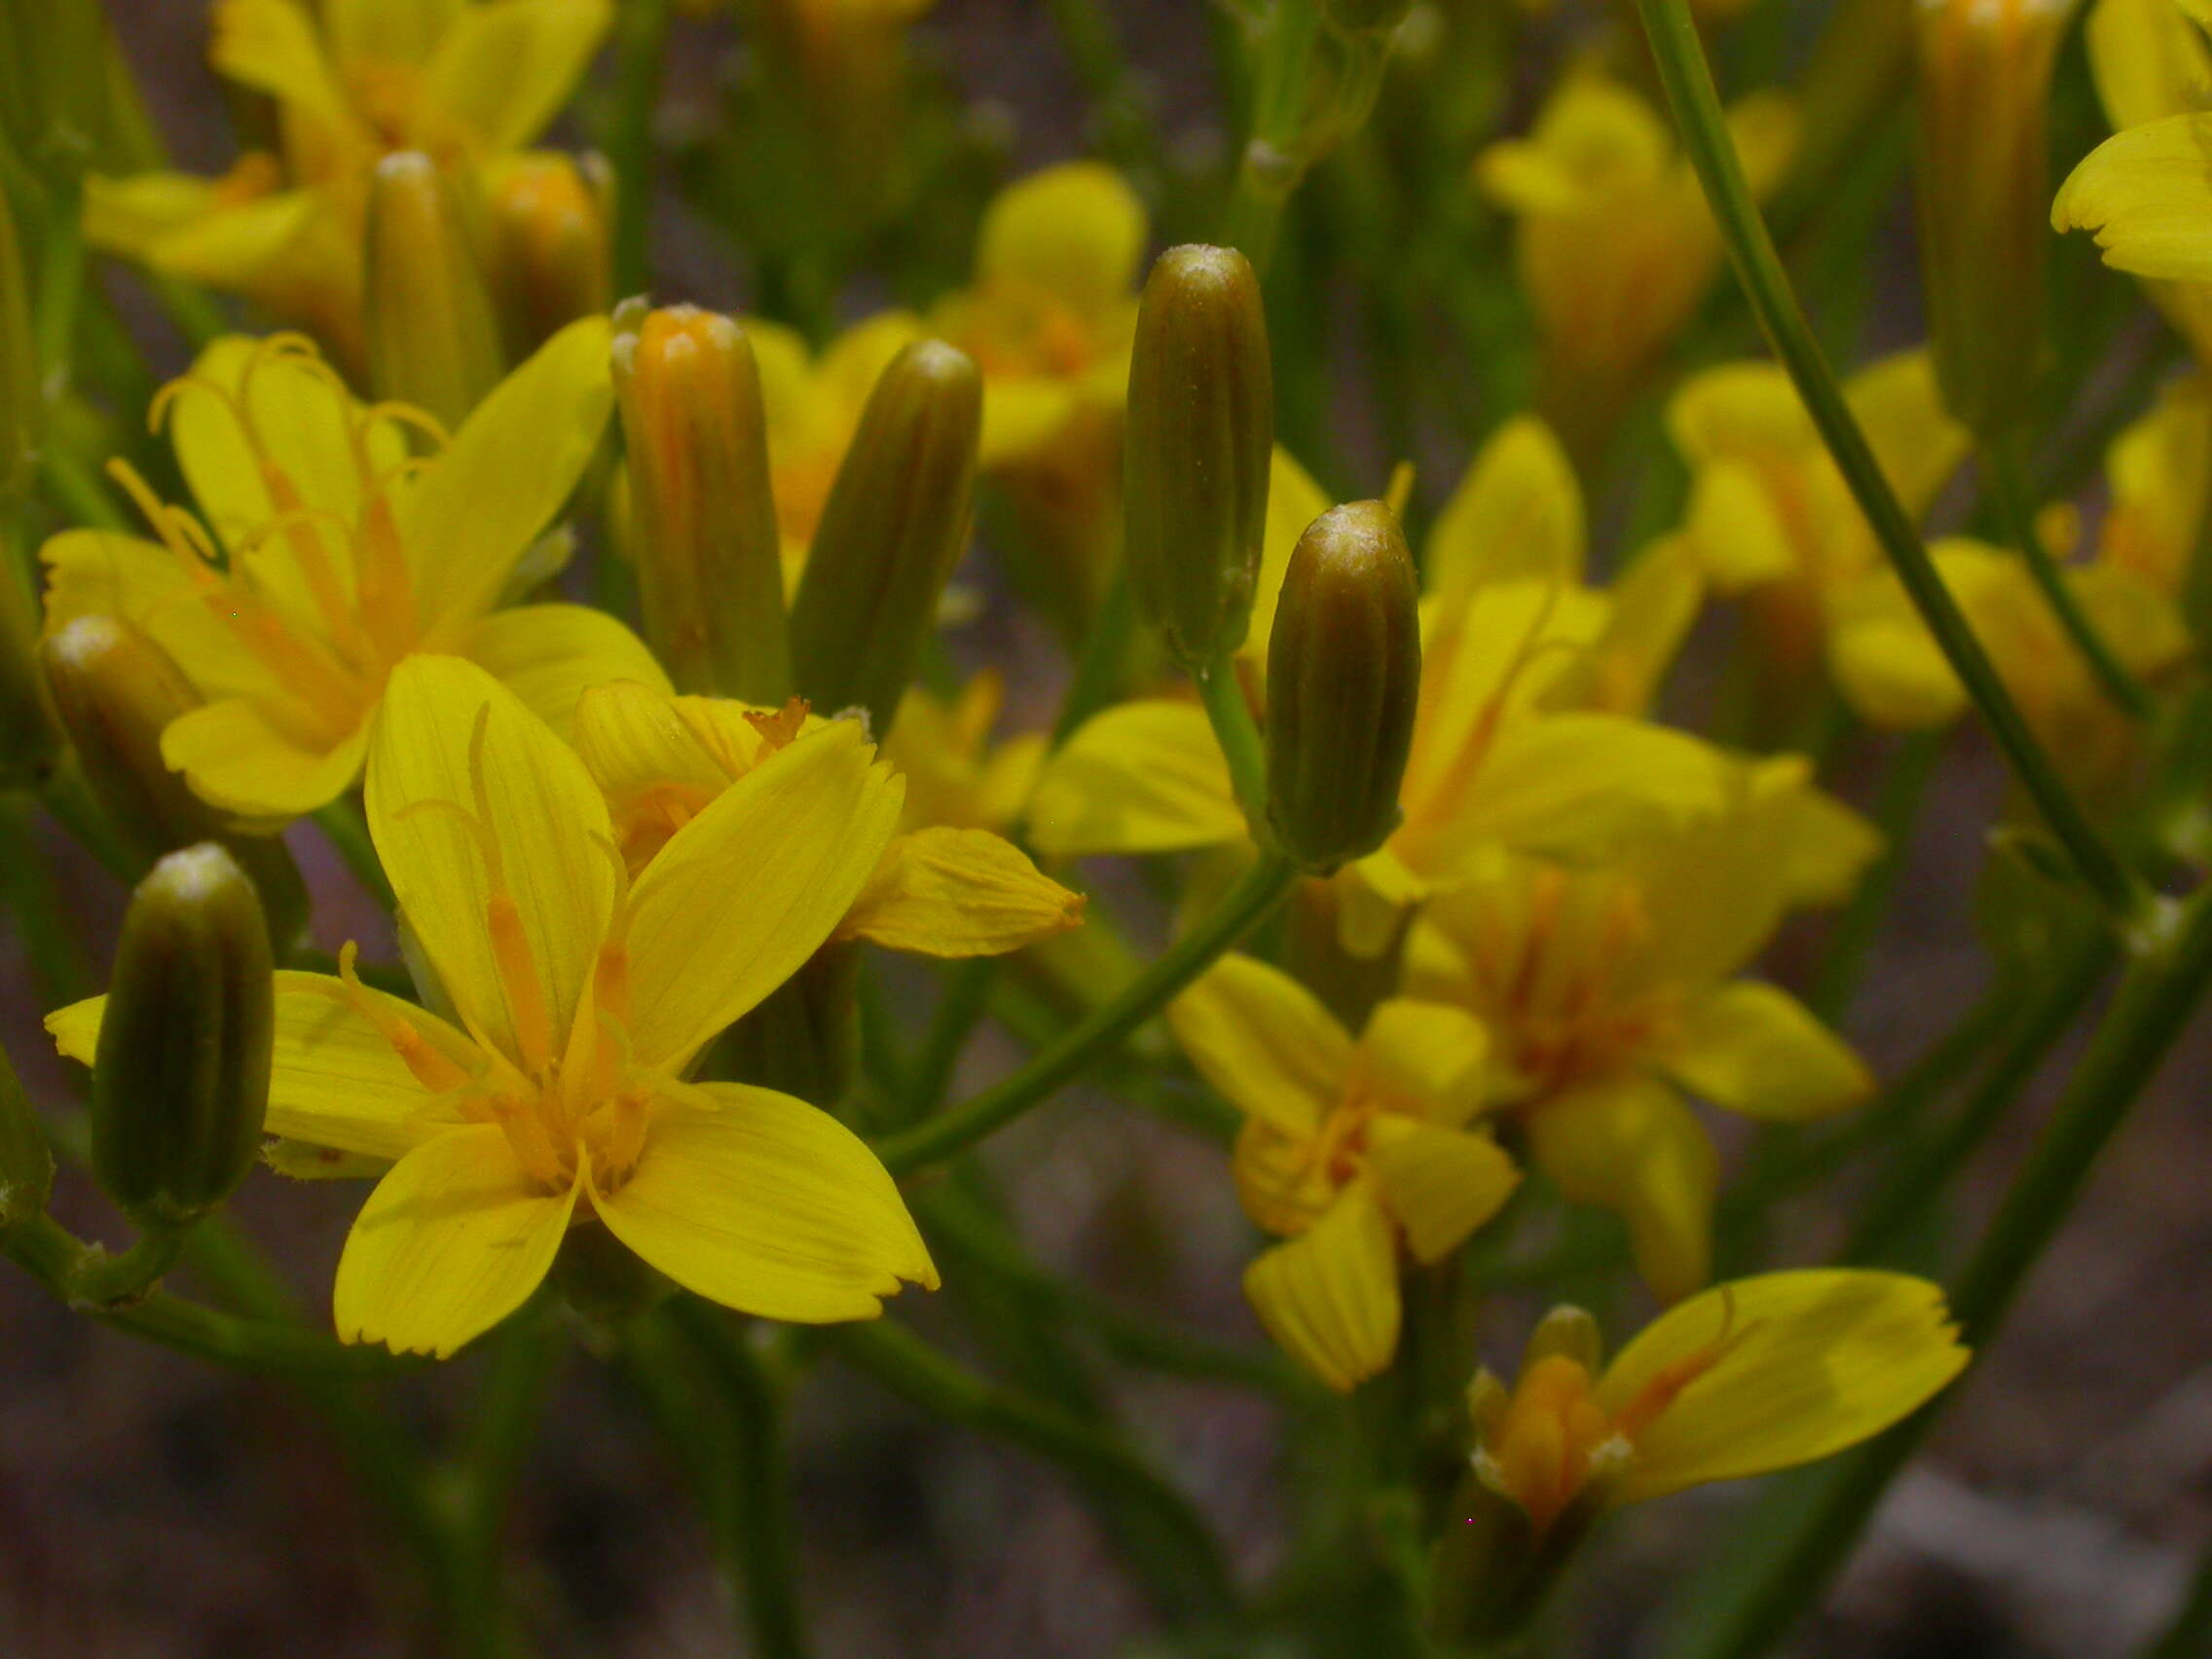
x=1201, y=438
x=116, y=691
x=703, y=512
x=1343, y=674
x=22, y=400
x=893, y=528
x=180, y=1078
x=432, y=338
x=27, y=1163
x=29, y=740
x=549, y=258
x=1986, y=69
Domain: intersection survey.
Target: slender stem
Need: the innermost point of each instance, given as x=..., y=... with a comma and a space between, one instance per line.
x=1239, y=735
x=1896, y=805
x=640, y=48
x=1099, y=667
x=2154, y=1005
x=1098, y=1033
x=760, y=1477
x=76, y=490
x=1271, y=165
x=1178, y=1553
x=2015, y=504
x=60, y=272
x=966, y=996
x=1678, y=55
x=479, y=1619
x=2189, y=1634
x=348, y=831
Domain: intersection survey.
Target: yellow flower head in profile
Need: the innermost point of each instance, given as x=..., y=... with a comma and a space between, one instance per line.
x=468, y=82
x=1890, y=671
x=322, y=555
x=1751, y=1377
x=1357, y=1149
x=1610, y=995
x=1509, y=746
x=955, y=774
x=1053, y=308
x=556, y=1095
x=1769, y=514
x=1614, y=242
x=942, y=889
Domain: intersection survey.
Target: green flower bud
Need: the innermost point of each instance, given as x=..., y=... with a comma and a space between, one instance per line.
x=549, y=255
x=180, y=1079
x=891, y=532
x=1200, y=439
x=27, y=1163
x=30, y=742
x=116, y=691
x=433, y=341
x=1343, y=674
x=703, y=512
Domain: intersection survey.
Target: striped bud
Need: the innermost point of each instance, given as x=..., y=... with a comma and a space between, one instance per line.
x=433, y=341
x=116, y=691
x=702, y=509
x=549, y=257
x=180, y=1079
x=26, y=1164
x=1343, y=674
x=891, y=532
x=1201, y=438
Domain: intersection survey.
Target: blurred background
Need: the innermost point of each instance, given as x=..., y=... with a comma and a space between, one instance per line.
x=154, y=1508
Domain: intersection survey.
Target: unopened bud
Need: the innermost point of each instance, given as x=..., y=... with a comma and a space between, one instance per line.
x=1986, y=69
x=433, y=341
x=29, y=740
x=180, y=1078
x=1343, y=675
x=22, y=400
x=548, y=258
x=1201, y=438
x=27, y=1163
x=703, y=511
x=891, y=532
x=115, y=692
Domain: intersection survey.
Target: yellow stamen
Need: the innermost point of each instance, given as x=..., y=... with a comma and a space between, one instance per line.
x=432, y=1068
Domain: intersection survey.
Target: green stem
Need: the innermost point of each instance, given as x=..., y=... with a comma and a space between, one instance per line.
x=1098, y=1033
x=2153, y=1007
x=1896, y=805
x=347, y=833
x=2016, y=508
x=760, y=1477
x=1177, y=1552
x=2189, y=1634
x=102, y=1281
x=76, y=490
x=60, y=274
x=1678, y=55
x=1239, y=735
x=1271, y=165
x=479, y=1620
x=641, y=45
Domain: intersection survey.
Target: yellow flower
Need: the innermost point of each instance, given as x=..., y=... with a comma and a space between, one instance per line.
x=323, y=557
x=2157, y=469
x=468, y=82
x=1357, y=1149
x=1507, y=630
x=1053, y=306
x=555, y=1097
x=1769, y=515
x=1891, y=672
x=662, y=762
x=1614, y=244
x=1753, y=1376
x=1610, y=993
x=955, y=774
x=814, y=407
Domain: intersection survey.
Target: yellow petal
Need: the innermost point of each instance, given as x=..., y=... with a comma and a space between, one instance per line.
x=451, y=1242
x=537, y=805
x=1738, y=529
x=959, y=892
x=1632, y=1146
x=550, y=655
x=1330, y=1296
x=96, y=572
x=1073, y=232
x=2148, y=195
x=1294, y=501
x=399, y=31
x=272, y=46
x=768, y=1205
x=1755, y=1049
x=1886, y=664
x=1426, y=1059
x=1657, y=601
x=1808, y=1363
x=249, y=757
x=1143, y=777
x=1438, y=1184
x=509, y=470
x=746, y=892
x=1373, y=897
x=636, y=737
x=1264, y=1042
x=502, y=70
x=2148, y=59
x=1517, y=514
x=241, y=248
x=1914, y=439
